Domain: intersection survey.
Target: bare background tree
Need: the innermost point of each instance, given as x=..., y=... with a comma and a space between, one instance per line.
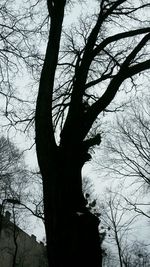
x=19, y=185
x=23, y=30
x=131, y=153
x=14, y=176
x=121, y=227
x=127, y=152
x=124, y=160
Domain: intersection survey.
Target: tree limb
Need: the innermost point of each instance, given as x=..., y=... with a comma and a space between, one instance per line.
x=114, y=85
x=117, y=37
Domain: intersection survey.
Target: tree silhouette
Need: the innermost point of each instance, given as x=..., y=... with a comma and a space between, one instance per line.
x=82, y=72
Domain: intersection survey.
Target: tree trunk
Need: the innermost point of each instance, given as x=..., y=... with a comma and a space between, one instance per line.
x=71, y=230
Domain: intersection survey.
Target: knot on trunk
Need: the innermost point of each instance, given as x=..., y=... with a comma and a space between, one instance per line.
x=96, y=140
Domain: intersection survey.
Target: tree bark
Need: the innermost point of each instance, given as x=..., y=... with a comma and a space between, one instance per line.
x=71, y=230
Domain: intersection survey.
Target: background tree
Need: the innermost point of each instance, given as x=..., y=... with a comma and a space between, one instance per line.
x=127, y=152
x=80, y=78
x=121, y=245
x=20, y=64
x=136, y=254
x=119, y=228
x=20, y=60
x=118, y=222
x=131, y=153
x=13, y=171
x=15, y=184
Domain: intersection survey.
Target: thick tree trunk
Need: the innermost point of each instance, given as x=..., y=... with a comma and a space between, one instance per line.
x=71, y=230
x=75, y=242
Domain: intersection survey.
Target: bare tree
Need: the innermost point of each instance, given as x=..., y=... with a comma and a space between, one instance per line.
x=15, y=183
x=129, y=149
x=127, y=152
x=136, y=254
x=122, y=246
x=118, y=222
x=83, y=70
x=13, y=171
x=21, y=58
